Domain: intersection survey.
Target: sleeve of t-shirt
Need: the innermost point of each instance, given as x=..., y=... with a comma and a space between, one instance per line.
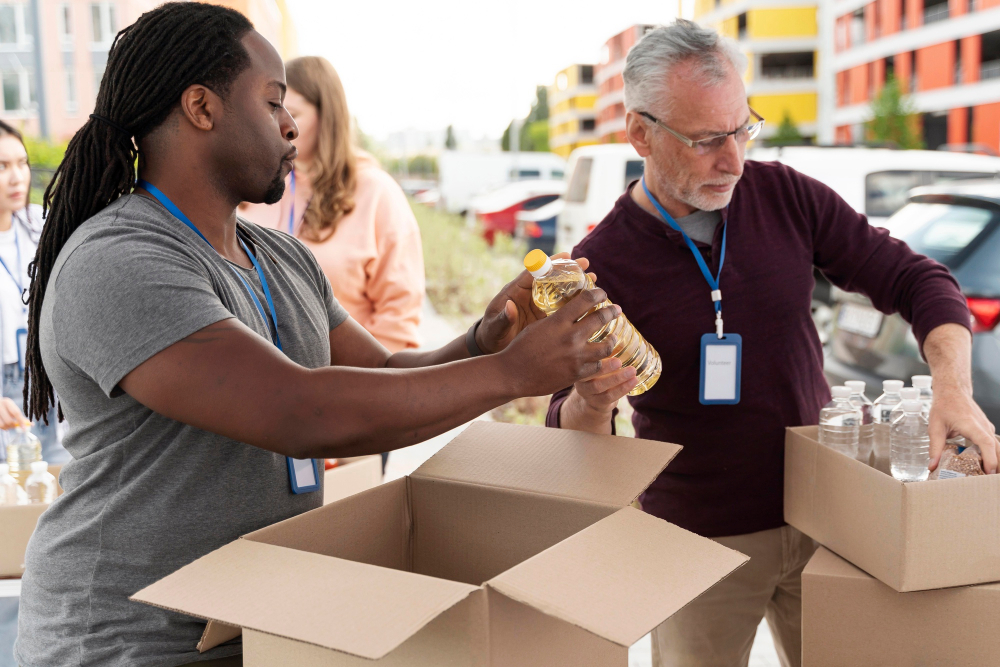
x=124, y=295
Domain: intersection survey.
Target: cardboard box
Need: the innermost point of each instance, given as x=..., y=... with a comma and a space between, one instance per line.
x=513, y=546
x=17, y=523
x=851, y=619
x=918, y=536
x=352, y=476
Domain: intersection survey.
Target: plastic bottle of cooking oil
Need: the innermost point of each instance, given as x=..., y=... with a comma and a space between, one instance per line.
x=23, y=448
x=558, y=281
x=41, y=485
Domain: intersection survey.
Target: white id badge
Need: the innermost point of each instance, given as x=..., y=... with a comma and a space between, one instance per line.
x=721, y=361
x=303, y=474
x=22, y=348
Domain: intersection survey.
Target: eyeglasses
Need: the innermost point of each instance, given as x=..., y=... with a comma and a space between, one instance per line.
x=711, y=144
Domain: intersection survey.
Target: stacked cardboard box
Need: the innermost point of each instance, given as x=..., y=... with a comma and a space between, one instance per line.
x=862, y=606
x=513, y=546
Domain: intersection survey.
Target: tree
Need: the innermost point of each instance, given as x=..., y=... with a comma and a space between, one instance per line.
x=787, y=134
x=893, y=117
x=534, y=129
x=449, y=139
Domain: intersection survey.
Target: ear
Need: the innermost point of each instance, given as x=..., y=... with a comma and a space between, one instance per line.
x=638, y=133
x=200, y=106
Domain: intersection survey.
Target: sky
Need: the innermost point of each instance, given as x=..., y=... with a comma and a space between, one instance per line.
x=474, y=64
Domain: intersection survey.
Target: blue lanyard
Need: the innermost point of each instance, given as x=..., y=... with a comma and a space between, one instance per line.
x=713, y=281
x=291, y=214
x=17, y=245
x=177, y=213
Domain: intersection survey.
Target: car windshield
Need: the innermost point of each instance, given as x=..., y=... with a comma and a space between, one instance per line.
x=940, y=231
x=885, y=191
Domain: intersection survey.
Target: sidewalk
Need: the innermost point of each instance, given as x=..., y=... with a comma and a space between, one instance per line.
x=435, y=331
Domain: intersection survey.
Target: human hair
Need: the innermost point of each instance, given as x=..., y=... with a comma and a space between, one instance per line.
x=150, y=64
x=334, y=167
x=7, y=130
x=649, y=61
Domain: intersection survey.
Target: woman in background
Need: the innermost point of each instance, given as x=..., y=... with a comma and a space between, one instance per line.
x=348, y=211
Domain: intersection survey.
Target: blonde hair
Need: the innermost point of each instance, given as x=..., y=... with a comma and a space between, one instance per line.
x=334, y=169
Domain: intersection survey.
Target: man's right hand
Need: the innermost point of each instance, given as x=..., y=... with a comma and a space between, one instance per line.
x=555, y=352
x=590, y=406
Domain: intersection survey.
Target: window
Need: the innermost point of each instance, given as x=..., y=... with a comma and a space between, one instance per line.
x=18, y=89
x=98, y=75
x=586, y=74
x=741, y=25
x=858, y=27
x=15, y=24
x=633, y=171
x=72, y=105
x=935, y=10
x=940, y=231
x=104, y=22
x=796, y=65
x=65, y=24
x=8, y=24
x=579, y=182
x=886, y=191
x=587, y=125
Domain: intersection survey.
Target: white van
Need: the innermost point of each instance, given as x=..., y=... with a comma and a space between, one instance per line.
x=597, y=177
x=463, y=176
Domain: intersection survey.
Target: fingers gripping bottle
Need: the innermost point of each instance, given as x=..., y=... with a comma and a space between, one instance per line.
x=558, y=281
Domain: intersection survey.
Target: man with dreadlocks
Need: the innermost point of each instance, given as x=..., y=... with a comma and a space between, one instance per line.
x=201, y=361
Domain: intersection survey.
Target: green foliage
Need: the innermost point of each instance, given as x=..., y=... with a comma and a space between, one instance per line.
x=44, y=157
x=893, y=117
x=534, y=129
x=787, y=133
x=449, y=139
x=540, y=107
x=418, y=165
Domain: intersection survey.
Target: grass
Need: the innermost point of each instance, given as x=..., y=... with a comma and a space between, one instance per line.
x=463, y=275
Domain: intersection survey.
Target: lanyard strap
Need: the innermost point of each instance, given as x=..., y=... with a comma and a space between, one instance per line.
x=177, y=213
x=291, y=214
x=713, y=281
x=17, y=246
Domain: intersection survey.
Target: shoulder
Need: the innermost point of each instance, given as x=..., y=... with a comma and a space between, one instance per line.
x=778, y=176
x=373, y=180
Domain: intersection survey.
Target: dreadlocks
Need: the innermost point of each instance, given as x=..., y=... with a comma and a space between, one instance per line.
x=150, y=64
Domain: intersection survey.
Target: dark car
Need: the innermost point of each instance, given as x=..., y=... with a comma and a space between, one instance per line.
x=959, y=226
x=537, y=227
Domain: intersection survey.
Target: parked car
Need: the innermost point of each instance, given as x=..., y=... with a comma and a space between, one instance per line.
x=597, y=176
x=464, y=176
x=958, y=225
x=497, y=210
x=537, y=228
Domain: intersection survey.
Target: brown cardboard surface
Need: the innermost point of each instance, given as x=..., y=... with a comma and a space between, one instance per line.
x=351, y=476
x=620, y=577
x=851, y=619
x=470, y=533
x=17, y=523
x=917, y=536
x=599, y=468
x=352, y=607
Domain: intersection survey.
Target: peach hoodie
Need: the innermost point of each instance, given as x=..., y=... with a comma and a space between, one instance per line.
x=374, y=260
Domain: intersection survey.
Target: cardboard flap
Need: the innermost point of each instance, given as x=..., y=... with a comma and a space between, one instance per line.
x=598, y=468
x=356, y=608
x=621, y=577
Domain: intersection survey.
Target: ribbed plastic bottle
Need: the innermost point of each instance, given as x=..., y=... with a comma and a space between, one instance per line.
x=910, y=444
x=558, y=281
x=840, y=423
x=11, y=492
x=923, y=383
x=866, y=438
x=882, y=417
x=23, y=449
x=41, y=485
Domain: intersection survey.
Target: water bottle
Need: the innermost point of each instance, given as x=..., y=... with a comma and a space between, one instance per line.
x=866, y=438
x=558, y=281
x=11, y=492
x=840, y=423
x=23, y=449
x=882, y=420
x=910, y=444
x=41, y=485
x=923, y=383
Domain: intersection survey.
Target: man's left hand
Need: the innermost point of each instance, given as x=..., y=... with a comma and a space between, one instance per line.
x=953, y=413
x=511, y=311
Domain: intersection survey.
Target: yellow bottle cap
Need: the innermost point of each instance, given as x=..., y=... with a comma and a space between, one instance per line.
x=535, y=260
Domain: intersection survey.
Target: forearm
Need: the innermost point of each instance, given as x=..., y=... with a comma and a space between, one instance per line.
x=576, y=415
x=453, y=351
x=948, y=350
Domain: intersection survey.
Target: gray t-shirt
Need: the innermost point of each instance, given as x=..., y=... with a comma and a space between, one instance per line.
x=146, y=495
x=701, y=225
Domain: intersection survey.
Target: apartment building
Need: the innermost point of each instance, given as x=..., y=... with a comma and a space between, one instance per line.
x=608, y=77
x=572, y=113
x=945, y=53
x=53, y=54
x=781, y=39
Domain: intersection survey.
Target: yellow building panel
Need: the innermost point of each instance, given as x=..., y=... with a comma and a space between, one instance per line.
x=702, y=7
x=800, y=106
x=781, y=22
x=730, y=28
x=586, y=101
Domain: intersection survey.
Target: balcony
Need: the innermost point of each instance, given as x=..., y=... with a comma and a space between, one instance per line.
x=990, y=70
x=936, y=13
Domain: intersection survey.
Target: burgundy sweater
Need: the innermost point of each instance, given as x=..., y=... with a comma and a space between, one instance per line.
x=728, y=479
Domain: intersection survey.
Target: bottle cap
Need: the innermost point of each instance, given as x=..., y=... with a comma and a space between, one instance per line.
x=537, y=263
x=909, y=393
x=892, y=386
x=856, y=386
x=912, y=406
x=840, y=391
x=922, y=381
x=39, y=466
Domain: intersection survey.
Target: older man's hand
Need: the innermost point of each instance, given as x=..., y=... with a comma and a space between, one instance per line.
x=954, y=413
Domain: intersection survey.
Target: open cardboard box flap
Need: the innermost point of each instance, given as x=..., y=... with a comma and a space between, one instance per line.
x=610, y=578
x=571, y=464
x=343, y=605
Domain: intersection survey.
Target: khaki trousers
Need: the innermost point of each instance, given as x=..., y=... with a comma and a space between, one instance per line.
x=718, y=628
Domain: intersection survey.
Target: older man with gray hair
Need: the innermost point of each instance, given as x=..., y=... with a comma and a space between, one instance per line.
x=711, y=256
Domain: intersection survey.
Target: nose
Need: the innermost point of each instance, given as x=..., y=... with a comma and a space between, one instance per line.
x=289, y=129
x=729, y=159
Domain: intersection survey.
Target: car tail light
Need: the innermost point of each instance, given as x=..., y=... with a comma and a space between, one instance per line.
x=985, y=313
x=533, y=230
x=591, y=226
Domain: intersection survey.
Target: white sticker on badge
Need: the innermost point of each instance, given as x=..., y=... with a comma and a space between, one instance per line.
x=720, y=372
x=305, y=473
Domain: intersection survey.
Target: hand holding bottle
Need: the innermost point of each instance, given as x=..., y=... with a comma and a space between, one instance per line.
x=11, y=416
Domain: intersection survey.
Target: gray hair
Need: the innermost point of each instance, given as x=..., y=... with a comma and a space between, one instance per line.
x=650, y=60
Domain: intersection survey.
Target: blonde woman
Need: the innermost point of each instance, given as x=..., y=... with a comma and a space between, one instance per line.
x=351, y=214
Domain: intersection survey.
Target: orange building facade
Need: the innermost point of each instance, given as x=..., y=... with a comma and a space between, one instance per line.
x=944, y=53
x=610, y=87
